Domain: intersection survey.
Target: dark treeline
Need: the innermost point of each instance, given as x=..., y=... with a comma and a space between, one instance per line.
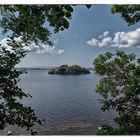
x=69, y=70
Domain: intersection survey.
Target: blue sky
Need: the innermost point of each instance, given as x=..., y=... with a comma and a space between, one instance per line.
x=85, y=25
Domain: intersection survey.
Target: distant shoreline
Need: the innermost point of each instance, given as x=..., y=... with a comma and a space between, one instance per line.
x=47, y=68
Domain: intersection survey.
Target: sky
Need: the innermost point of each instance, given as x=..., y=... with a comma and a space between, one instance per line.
x=92, y=32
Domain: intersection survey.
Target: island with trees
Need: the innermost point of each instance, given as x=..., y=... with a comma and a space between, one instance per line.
x=69, y=70
x=119, y=85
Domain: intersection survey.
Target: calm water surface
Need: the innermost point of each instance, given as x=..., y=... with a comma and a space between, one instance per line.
x=69, y=104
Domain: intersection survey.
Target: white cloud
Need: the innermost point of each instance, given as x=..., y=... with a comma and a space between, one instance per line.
x=105, y=42
x=43, y=48
x=119, y=39
x=93, y=42
x=106, y=33
x=40, y=48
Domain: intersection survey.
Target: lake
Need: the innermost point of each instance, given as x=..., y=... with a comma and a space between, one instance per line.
x=68, y=103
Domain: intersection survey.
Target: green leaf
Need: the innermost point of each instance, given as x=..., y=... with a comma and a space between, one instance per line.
x=88, y=6
x=66, y=24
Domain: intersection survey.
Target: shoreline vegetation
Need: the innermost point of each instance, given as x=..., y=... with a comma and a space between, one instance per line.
x=69, y=70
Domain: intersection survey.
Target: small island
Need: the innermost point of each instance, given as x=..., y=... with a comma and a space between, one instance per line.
x=69, y=70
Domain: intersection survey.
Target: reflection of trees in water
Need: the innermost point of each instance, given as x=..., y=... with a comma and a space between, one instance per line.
x=12, y=112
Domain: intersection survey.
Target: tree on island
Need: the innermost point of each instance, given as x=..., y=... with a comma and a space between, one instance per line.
x=28, y=22
x=69, y=70
x=120, y=88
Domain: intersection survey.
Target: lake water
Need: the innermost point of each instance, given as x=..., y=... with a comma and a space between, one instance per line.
x=69, y=104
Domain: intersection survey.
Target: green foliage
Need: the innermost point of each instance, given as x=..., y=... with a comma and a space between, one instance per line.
x=29, y=21
x=12, y=112
x=69, y=70
x=130, y=13
x=34, y=23
x=88, y=6
x=120, y=89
